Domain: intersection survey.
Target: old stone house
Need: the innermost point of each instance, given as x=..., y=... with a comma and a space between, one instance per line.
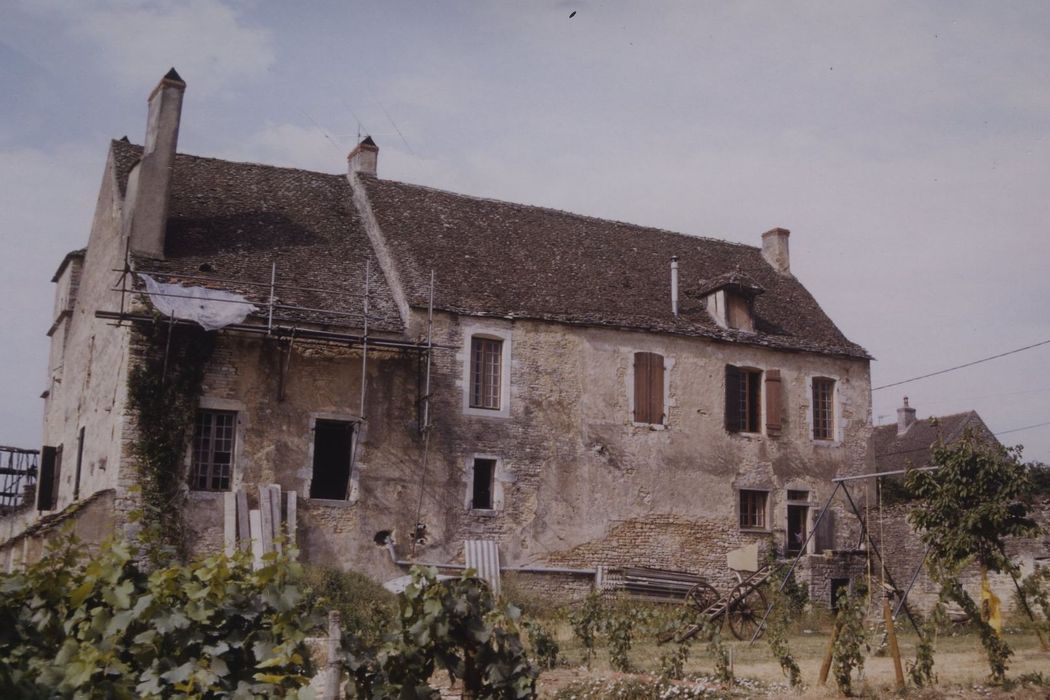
x=582, y=392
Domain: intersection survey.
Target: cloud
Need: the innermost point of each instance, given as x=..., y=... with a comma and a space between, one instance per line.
x=136, y=40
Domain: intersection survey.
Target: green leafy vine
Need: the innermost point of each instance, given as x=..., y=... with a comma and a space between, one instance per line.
x=163, y=391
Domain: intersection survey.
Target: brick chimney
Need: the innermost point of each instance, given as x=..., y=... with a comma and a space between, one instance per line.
x=149, y=216
x=775, y=249
x=905, y=417
x=364, y=158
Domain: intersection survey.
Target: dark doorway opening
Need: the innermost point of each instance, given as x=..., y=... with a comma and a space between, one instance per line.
x=484, y=471
x=333, y=441
x=838, y=584
x=798, y=522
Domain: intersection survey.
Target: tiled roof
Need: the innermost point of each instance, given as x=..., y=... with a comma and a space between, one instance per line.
x=523, y=261
x=232, y=221
x=912, y=449
x=490, y=257
x=736, y=281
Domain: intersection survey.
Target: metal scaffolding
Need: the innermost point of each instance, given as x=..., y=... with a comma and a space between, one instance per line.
x=18, y=471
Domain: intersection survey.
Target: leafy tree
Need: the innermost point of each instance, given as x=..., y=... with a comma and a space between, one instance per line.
x=965, y=511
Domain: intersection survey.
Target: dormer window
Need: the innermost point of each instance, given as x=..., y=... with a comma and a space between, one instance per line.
x=730, y=300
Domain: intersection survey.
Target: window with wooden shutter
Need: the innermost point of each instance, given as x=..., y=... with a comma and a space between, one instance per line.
x=743, y=394
x=486, y=371
x=773, y=388
x=648, y=388
x=823, y=408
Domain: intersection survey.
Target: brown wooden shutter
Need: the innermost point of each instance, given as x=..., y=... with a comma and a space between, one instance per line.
x=825, y=534
x=45, y=483
x=656, y=388
x=641, y=387
x=773, y=402
x=732, y=399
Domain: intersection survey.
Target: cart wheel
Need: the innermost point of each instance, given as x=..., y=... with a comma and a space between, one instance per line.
x=745, y=614
x=701, y=596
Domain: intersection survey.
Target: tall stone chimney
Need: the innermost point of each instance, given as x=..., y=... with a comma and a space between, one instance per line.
x=153, y=184
x=905, y=417
x=364, y=158
x=775, y=249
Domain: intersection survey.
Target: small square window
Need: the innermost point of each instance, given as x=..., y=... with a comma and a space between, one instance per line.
x=752, y=509
x=213, y=442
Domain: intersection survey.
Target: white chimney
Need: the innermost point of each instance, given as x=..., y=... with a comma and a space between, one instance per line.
x=149, y=212
x=775, y=249
x=905, y=417
x=364, y=158
x=674, y=285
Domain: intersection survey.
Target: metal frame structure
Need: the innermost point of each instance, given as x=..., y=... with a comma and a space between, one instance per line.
x=18, y=467
x=840, y=483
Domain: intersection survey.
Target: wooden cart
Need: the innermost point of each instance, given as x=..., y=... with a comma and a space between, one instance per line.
x=742, y=607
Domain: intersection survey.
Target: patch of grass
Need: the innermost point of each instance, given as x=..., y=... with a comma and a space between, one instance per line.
x=366, y=609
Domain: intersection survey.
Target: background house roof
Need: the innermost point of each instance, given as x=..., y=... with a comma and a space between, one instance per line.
x=912, y=449
x=490, y=257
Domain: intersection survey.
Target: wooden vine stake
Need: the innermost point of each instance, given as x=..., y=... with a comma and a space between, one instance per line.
x=825, y=666
x=891, y=636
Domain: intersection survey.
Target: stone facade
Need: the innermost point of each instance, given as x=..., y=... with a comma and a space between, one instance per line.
x=577, y=482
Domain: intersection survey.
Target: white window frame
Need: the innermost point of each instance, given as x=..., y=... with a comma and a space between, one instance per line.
x=836, y=407
x=499, y=477
x=478, y=331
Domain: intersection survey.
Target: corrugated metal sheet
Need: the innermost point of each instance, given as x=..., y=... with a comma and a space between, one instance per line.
x=483, y=557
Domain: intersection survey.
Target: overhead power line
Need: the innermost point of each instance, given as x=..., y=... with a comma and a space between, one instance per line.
x=968, y=364
x=1014, y=430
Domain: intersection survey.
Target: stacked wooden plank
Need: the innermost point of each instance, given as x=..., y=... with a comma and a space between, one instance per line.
x=267, y=528
x=659, y=584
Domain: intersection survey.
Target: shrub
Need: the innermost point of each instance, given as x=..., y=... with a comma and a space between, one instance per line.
x=587, y=621
x=367, y=610
x=847, y=653
x=105, y=628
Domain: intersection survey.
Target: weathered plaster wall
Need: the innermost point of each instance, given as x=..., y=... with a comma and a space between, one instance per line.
x=582, y=484
x=88, y=361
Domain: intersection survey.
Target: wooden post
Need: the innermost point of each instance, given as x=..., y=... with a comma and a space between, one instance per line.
x=266, y=519
x=290, y=521
x=891, y=635
x=255, y=518
x=244, y=532
x=229, y=523
x=275, y=510
x=825, y=666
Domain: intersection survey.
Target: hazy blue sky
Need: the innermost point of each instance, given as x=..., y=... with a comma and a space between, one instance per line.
x=904, y=144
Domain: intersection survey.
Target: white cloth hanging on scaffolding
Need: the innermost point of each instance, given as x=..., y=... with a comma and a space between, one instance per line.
x=211, y=308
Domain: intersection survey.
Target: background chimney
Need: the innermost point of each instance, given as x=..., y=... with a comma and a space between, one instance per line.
x=775, y=249
x=149, y=216
x=905, y=417
x=364, y=158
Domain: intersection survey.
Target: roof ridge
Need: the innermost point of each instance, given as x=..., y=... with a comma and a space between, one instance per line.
x=285, y=168
x=564, y=212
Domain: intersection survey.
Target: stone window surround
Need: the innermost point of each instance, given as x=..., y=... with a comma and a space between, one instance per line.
x=492, y=333
x=499, y=477
x=836, y=407
x=669, y=363
x=768, y=491
x=811, y=515
x=355, y=466
x=210, y=403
